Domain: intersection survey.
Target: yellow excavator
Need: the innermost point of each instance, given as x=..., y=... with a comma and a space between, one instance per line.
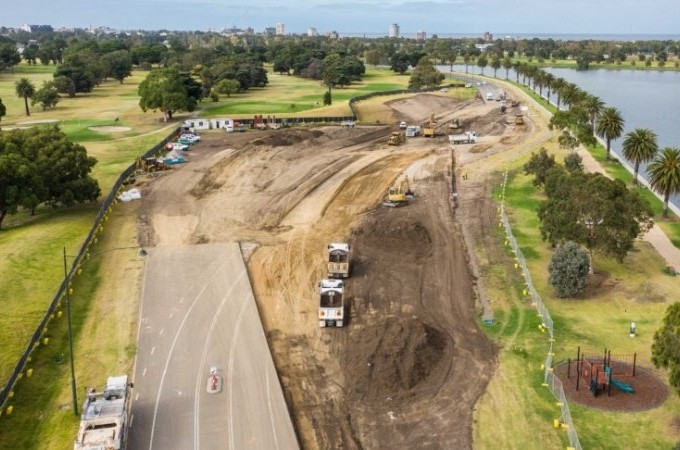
x=399, y=194
x=430, y=128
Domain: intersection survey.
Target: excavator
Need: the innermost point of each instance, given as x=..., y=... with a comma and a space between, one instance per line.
x=399, y=194
x=430, y=128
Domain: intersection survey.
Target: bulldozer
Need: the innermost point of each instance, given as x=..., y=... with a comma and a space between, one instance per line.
x=396, y=138
x=399, y=194
x=150, y=164
x=519, y=119
x=430, y=128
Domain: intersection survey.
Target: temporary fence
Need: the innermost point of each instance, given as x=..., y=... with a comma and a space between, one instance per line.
x=550, y=380
x=38, y=335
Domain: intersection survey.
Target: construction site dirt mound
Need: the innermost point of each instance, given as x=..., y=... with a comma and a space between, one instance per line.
x=401, y=352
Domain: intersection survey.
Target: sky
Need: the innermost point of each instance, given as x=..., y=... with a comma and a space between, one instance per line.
x=373, y=17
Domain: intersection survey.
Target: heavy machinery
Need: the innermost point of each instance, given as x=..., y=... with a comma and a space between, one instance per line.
x=331, y=303
x=104, y=423
x=338, y=260
x=430, y=128
x=469, y=137
x=413, y=130
x=396, y=138
x=151, y=164
x=399, y=194
x=519, y=119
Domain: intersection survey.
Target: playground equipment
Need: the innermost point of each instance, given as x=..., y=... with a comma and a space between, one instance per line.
x=599, y=371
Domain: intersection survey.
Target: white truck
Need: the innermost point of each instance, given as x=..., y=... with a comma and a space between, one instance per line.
x=413, y=130
x=331, y=303
x=104, y=423
x=338, y=260
x=469, y=137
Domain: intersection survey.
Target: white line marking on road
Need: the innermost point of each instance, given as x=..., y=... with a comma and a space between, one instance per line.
x=132, y=419
x=144, y=372
x=136, y=396
x=153, y=349
x=201, y=370
x=181, y=300
x=169, y=356
x=160, y=333
x=171, y=314
x=232, y=350
x=269, y=403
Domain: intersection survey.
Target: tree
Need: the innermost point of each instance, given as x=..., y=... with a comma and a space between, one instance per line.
x=567, y=140
x=3, y=110
x=47, y=96
x=664, y=175
x=666, y=346
x=599, y=213
x=329, y=71
x=425, y=75
x=573, y=162
x=609, y=125
x=118, y=64
x=372, y=57
x=163, y=89
x=64, y=85
x=25, y=89
x=15, y=172
x=539, y=164
x=482, y=62
x=593, y=106
x=227, y=87
x=399, y=62
x=9, y=56
x=640, y=146
x=568, y=270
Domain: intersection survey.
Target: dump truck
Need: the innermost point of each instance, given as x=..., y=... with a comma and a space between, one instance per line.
x=338, y=260
x=396, y=138
x=104, y=423
x=469, y=137
x=412, y=130
x=331, y=303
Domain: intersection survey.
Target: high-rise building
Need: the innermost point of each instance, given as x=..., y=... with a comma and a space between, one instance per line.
x=312, y=32
x=488, y=37
x=270, y=31
x=280, y=29
x=421, y=35
x=394, y=31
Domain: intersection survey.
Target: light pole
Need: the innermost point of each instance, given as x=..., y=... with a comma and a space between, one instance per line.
x=70, y=338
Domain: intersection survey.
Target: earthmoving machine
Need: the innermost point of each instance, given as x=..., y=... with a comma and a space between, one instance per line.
x=104, y=423
x=396, y=138
x=338, y=260
x=331, y=303
x=150, y=164
x=413, y=130
x=399, y=194
x=519, y=119
x=430, y=128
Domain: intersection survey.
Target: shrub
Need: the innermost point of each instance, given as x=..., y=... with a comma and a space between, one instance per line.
x=569, y=270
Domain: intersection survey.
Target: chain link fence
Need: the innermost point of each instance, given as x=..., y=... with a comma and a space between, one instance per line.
x=33, y=343
x=550, y=380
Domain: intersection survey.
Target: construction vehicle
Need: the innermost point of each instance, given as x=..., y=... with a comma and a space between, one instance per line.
x=399, y=194
x=430, y=128
x=455, y=124
x=104, y=423
x=151, y=164
x=412, y=130
x=338, y=260
x=469, y=137
x=396, y=138
x=519, y=119
x=331, y=303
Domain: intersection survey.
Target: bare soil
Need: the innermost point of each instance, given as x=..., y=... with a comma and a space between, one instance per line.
x=408, y=368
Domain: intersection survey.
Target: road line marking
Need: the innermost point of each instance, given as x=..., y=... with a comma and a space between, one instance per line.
x=137, y=396
x=169, y=356
x=160, y=333
x=181, y=300
x=171, y=314
x=269, y=401
x=232, y=350
x=132, y=419
x=153, y=349
x=201, y=369
x=144, y=372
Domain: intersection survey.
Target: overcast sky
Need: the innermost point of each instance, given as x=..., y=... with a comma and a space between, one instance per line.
x=557, y=17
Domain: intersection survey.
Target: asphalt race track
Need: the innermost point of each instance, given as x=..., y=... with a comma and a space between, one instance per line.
x=198, y=312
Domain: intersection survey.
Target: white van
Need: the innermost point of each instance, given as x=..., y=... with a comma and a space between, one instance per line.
x=489, y=96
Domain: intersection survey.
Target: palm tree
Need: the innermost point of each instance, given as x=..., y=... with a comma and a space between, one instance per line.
x=640, y=146
x=549, y=80
x=664, y=174
x=557, y=86
x=609, y=125
x=507, y=65
x=25, y=89
x=593, y=106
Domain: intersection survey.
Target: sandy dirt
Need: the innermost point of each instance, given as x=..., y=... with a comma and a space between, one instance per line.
x=109, y=129
x=408, y=368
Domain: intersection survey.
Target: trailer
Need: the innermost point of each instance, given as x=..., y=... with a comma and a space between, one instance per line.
x=338, y=260
x=466, y=138
x=104, y=423
x=331, y=303
x=413, y=130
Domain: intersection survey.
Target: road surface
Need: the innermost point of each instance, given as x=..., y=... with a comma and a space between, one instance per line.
x=198, y=312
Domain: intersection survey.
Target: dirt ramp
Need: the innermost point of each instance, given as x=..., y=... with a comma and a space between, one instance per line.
x=393, y=359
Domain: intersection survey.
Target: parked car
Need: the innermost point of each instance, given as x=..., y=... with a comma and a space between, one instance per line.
x=347, y=123
x=190, y=137
x=180, y=147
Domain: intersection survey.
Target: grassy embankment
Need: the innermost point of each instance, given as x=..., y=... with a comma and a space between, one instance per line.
x=637, y=290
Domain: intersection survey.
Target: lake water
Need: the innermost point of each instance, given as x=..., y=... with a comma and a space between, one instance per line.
x=645, y=98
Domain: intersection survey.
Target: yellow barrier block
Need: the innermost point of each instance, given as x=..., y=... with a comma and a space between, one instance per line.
x=70, y=291
x=11, y=394
x=46, y=341
x=60, y=313
x=10, y=410
x=556, y=423
x=29, y=373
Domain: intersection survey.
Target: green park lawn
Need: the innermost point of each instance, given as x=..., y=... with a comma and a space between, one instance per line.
x=516, y=409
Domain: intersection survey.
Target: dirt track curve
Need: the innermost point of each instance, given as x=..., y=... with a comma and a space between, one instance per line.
x=411, y=363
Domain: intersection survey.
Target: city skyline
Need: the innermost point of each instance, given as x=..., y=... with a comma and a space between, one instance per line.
x=367, y=17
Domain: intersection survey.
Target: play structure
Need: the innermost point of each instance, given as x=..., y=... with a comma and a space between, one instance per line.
x=601, y=372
